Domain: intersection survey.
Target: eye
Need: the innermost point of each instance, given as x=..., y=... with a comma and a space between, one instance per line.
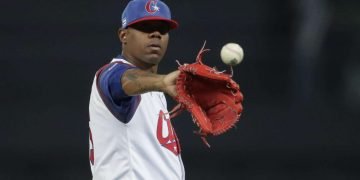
x=149, y=27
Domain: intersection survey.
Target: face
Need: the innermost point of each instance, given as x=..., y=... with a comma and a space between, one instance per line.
x=145, y=43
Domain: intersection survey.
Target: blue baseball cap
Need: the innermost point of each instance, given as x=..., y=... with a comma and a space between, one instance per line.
x=145, y=10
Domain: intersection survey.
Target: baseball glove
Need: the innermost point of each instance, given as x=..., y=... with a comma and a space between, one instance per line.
x=212, y=97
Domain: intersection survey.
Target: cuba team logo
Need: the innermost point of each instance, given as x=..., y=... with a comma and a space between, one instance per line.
x=166, y=134
x=151, y=6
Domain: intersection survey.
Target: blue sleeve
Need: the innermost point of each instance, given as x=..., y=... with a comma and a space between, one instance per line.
x=120, y=105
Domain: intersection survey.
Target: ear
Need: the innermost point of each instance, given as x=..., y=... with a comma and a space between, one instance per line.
x=122, y=33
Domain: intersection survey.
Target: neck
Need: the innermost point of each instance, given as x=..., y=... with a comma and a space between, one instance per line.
x=138, y=63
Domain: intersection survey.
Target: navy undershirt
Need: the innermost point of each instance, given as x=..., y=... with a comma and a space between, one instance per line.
x=120, y=105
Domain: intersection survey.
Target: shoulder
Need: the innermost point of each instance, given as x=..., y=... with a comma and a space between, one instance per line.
x=115, y=66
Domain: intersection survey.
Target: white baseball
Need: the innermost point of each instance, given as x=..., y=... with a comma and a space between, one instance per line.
x=232, y=54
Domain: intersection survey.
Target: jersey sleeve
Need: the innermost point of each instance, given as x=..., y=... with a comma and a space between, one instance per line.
x=110, y=89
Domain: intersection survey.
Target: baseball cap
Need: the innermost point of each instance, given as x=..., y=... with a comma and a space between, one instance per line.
x=145, y=10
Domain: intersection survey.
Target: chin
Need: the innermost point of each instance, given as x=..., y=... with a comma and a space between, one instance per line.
x=154, y=59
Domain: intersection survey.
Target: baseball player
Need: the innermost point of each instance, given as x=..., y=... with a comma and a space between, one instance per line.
x=131, y=136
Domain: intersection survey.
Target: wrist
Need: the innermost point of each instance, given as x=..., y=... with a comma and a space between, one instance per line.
x=161, y=84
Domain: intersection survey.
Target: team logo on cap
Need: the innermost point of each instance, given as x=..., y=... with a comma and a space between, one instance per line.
x=151, y=6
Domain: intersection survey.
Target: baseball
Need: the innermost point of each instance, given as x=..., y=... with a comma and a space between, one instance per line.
x=232, y=54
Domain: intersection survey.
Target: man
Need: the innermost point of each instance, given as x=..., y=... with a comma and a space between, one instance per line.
x=131, y=136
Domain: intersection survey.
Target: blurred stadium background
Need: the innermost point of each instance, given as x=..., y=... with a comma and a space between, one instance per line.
x=300, y=78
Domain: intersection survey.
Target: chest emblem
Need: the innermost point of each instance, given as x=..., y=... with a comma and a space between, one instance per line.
x=166, y=134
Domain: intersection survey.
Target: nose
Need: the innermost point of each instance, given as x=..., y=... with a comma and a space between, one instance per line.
x=155, y=34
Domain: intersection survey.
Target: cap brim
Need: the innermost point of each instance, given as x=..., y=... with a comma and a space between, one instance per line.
x=173, y=24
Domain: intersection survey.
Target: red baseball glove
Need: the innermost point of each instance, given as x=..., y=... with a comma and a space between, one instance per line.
x=212, y=97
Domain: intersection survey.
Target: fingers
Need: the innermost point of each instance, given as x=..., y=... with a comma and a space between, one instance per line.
x=174, y=74
x=170, y=83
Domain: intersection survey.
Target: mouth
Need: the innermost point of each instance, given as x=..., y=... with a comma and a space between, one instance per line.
x=154, y=46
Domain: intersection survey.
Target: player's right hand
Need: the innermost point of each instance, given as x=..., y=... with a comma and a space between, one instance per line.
x=169, y=81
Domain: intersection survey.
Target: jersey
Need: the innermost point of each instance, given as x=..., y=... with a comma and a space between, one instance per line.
x=131, y=137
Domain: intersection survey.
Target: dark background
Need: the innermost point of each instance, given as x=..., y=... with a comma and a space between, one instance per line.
x=300, y=77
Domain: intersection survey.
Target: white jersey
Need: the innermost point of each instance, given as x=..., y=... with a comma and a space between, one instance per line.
x=138, y=144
